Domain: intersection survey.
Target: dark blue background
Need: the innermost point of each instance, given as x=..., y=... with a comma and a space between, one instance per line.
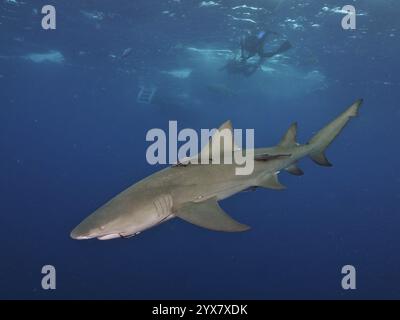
x=72, y=136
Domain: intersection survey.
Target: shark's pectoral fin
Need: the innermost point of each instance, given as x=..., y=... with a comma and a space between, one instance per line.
x=208, y=214
x=271, y=181
x=295, y=170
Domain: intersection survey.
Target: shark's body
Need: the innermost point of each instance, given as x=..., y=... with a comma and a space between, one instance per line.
x=191, y=192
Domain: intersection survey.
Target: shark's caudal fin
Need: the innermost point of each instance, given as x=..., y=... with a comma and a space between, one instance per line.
x=326, y=135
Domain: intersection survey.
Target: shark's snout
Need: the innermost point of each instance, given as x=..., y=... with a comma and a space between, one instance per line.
x=94, y=227
x=86, y=230
x=78, y=234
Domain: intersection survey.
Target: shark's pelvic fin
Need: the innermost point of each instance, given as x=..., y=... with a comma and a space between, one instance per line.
x=290, y=137
x=295, y=170
x=326, y=135
x=271, y=181
x=208, y=214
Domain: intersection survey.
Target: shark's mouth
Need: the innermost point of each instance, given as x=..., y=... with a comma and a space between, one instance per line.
x=83, y=238
x=110, y=236
x=117, y=235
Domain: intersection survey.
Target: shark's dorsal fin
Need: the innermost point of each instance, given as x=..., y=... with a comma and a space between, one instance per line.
x=271, y=181
x=208, y=214
x=220, y=143
x=290, y=137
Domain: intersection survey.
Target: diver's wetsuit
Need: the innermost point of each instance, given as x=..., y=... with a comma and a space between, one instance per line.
x=251, y=46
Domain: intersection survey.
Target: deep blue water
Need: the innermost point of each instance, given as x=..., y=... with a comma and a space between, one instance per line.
x=72, y=136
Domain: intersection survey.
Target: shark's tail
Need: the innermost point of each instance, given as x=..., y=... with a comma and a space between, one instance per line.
x=327, y=134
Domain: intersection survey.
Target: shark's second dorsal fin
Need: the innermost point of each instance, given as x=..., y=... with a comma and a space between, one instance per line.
x=290, y=137
x=221, y=142
x=208, y=214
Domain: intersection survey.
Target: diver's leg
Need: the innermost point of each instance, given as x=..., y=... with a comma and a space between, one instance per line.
x=283, y=48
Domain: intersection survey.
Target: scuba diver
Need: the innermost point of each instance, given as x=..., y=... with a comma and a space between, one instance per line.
x=251, y=46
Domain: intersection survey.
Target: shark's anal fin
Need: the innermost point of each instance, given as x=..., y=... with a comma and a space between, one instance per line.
x=295, y=170
x=208, y=214
x=271, y=181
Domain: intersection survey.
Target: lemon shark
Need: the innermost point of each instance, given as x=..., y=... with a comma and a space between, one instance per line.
x=191, y=191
